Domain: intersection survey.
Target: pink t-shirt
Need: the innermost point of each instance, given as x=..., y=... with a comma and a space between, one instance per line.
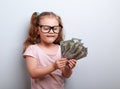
x=54, y=80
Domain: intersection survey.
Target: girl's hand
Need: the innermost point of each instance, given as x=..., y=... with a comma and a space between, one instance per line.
x=67, y=70
x=71, y=63
x=59, y=64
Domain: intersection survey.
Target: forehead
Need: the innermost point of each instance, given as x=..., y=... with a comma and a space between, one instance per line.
x=47, y=20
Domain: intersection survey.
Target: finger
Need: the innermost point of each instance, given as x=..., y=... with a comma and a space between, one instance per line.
x=71, y=64
x=72, y=61
x=61, y=64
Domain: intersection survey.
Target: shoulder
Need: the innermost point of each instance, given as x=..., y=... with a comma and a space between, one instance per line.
x=57, y=45
x=32, y=47
x=31, y=51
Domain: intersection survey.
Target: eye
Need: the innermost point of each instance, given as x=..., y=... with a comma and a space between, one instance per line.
x=56, y=28
x=46, y=27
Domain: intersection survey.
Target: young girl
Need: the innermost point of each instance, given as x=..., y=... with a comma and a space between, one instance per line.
x=43, y=54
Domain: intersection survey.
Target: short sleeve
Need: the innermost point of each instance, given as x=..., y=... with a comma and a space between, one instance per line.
x=30, y=51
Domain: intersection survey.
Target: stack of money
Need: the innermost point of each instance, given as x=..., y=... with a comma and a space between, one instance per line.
x=73, y=49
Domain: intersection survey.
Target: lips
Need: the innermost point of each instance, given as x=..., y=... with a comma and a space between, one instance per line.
x=50, y=36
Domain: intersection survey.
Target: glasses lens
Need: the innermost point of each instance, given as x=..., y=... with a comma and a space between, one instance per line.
x=45, y=29
x=56, y=29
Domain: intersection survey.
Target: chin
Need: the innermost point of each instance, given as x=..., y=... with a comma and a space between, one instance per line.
x=50, y=41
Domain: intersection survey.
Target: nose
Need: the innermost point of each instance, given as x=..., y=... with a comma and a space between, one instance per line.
x=51, y=30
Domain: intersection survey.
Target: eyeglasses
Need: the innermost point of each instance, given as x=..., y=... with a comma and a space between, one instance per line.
x=47, y=29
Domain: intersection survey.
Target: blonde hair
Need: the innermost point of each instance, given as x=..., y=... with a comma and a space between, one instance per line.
x=33, y=36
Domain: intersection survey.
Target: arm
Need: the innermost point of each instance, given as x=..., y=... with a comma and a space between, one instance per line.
x=36, y=71
x=67, y=70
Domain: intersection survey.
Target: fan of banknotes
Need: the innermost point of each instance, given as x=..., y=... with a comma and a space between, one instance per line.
x=73, y=49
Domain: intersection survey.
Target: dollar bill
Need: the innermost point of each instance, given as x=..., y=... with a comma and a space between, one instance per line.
x=73, y=49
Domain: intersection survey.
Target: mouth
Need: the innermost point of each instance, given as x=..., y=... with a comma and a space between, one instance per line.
x=50, y=36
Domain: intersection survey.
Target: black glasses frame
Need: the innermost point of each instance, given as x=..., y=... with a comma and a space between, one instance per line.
x=50, y=28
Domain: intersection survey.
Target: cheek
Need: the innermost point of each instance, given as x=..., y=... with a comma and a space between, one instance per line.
x=42, y=35
x=56, y=35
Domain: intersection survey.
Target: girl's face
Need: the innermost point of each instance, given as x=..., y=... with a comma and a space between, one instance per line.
x=48, y=30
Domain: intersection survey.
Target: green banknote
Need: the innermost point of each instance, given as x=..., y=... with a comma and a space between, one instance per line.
x=73, y=49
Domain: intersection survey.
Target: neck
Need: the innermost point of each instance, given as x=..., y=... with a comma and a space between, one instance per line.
x=48, y=45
